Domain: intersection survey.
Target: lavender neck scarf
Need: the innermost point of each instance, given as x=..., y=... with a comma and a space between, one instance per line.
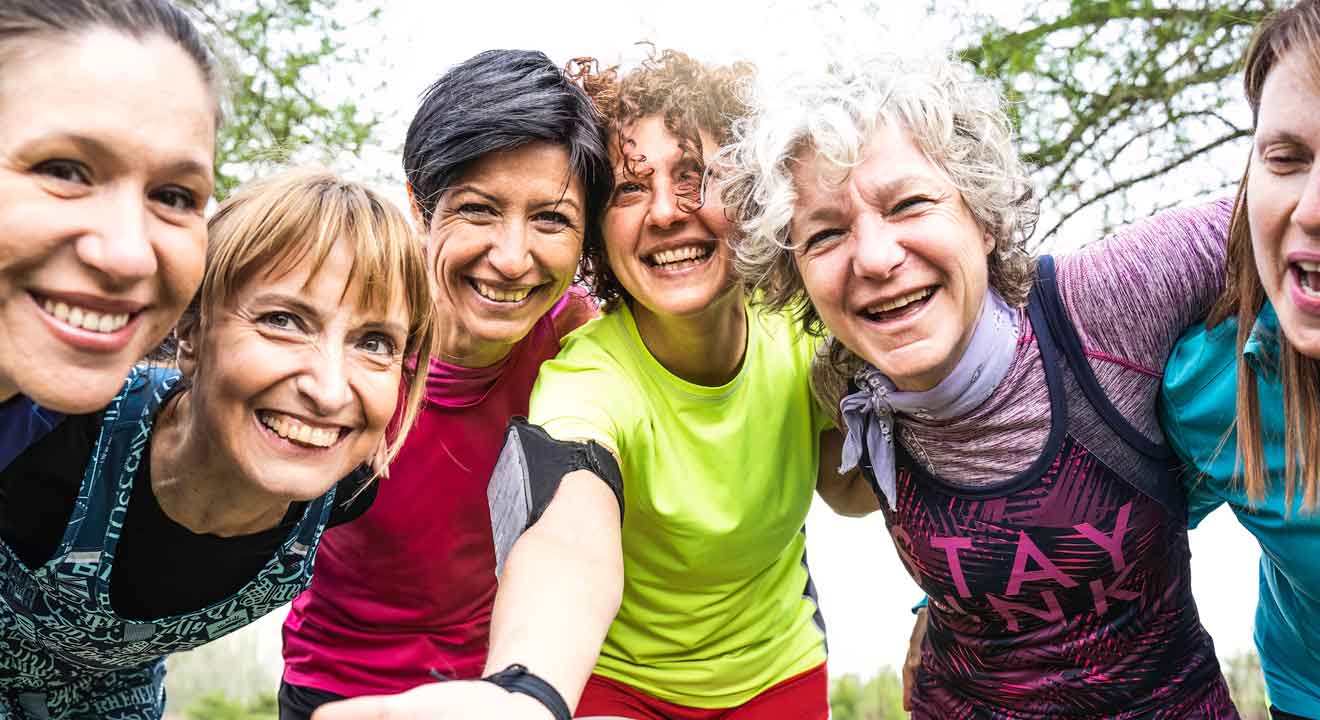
x=871, y=409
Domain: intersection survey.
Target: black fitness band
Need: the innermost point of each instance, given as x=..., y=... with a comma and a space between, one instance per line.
x=518, y=679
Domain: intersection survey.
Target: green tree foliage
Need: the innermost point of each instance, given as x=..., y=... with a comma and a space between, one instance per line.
x=1124, y=106
x=282, y=59
x=879, y=698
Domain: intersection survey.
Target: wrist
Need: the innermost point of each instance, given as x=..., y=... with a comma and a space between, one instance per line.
x=517, y=679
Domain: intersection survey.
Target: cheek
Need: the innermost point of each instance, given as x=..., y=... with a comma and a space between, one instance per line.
x=381, y=396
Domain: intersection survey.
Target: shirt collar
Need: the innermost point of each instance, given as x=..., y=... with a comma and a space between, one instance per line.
x=1262, y=347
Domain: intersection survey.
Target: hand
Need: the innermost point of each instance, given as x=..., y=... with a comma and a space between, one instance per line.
x=454, y=700
x=913, y=660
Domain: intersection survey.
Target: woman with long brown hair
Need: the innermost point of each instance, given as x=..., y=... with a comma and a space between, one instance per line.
x=1241, y=396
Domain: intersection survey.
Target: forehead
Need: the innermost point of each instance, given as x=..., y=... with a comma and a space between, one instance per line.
x=648, y=136
x=144, y=97
x=336, y=285
x=889, y=162
x=1290, y=98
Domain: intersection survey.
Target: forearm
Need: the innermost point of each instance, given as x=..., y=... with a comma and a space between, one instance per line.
x=561, y=588
x=848, y=494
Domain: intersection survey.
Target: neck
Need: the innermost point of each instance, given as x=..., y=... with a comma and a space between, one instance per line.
x=459, y=347
x=706, y=348
x=200, y=490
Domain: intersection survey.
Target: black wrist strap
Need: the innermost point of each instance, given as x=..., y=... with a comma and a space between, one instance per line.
x=518, y=679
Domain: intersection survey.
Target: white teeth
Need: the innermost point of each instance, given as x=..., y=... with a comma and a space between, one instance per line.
x=498, y=295
x=897, y=303
x=85, y=319
x=691, y=252
x=290, y=428
x=1309, y=266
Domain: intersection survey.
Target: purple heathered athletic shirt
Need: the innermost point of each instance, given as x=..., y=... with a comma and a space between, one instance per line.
x=1065, y=591
x=1130, y=296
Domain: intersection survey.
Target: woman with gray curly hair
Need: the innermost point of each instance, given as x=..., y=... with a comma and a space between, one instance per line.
x=1002, y=406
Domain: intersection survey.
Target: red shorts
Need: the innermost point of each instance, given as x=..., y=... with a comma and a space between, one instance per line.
x=801, y=697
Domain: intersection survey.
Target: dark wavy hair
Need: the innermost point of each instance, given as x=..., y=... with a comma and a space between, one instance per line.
x=139, y=19
x=689, y=95
x=496, y=101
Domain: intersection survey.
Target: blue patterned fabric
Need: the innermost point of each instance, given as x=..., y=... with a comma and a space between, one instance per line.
x=64, y=653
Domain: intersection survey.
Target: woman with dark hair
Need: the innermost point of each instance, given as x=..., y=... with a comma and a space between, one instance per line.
x=506, y=168
x=105, y=169
x=1249, y=378
x=693, y=405
x=193, y=503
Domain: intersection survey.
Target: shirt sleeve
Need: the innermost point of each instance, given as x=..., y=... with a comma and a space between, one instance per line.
x=1132, y=294
x=583, y=395
x=1181, y=389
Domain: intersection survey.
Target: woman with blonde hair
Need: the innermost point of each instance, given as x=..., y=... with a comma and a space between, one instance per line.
x=1002, y=406
x=1241, y=396
x=194, y=502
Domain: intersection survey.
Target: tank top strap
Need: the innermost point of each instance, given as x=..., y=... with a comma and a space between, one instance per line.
x=126, y=425
x=1065, y=334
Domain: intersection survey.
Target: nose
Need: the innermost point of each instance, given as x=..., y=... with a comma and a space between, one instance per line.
x=877, y=250
x=324, y=384
x=663, y=211
x=1307, y=212
x=118, y=244
x=511, y=253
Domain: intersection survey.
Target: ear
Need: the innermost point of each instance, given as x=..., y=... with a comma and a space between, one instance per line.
x=989, y=242
x=186, y=354
x=416, y=211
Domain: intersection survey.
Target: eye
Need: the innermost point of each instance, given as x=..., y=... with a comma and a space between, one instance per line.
x=555, y=220
x=626, y=193
x=280, y=320
x=822, y=237
x=1285, y=160
x=379, y=344
x=175, y=197
x=66, y=170
x=476, y=211
x=910, y=202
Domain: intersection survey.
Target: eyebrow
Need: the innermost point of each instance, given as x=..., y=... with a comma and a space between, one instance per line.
x=297, y=304
x=1280, y=135
x=456, y=189
x=94, y=147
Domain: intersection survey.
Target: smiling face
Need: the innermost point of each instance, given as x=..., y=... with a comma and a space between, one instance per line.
x=892, y=259
x=503, y=247
x=105, y=168
x=293, y=381
x=1283, y=200
x=671, y=261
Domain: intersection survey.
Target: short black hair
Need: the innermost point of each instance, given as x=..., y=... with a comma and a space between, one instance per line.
x=496, y=101
x=136, y=18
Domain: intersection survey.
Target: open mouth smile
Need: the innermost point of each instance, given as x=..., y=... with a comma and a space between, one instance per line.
x=1308, y=277
x=680, y=258
x=299, y=432
x=507, y=296
x=84, y=318
x=899, y=307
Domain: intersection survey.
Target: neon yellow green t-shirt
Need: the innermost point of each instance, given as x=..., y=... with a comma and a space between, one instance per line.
x=717, y=602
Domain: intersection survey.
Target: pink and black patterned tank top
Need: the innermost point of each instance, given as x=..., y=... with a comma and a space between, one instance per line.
x=1064, y=592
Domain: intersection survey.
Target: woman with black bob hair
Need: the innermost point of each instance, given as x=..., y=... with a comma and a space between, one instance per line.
x=105, y=168
x=507, y=169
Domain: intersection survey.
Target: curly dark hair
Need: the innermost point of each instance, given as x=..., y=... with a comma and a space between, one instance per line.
x=691, y=96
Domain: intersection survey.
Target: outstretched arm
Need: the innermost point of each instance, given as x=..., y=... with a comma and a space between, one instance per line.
x=559, y=592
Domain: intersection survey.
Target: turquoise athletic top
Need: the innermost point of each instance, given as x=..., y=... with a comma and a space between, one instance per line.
x=1197, y=407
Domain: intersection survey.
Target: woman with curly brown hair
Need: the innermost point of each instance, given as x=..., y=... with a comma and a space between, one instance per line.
x=703, y=401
